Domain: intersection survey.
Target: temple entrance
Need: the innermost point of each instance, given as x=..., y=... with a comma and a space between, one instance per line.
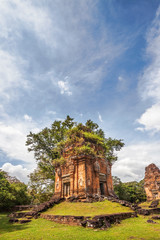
x=102, y=188
x=66, y=189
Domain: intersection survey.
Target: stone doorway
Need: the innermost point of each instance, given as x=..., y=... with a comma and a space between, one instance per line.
x=66, y=189
x=102, y=188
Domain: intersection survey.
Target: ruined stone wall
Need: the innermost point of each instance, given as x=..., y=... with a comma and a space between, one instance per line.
x=152, y=182
x=99, y=221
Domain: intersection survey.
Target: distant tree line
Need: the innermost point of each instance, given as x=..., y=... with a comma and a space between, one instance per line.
x=130, y=191
x=12, y=192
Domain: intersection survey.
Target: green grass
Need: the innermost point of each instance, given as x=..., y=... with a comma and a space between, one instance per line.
x=41, y=229
x=6, y=227
x=87, y=209
x=147, y=204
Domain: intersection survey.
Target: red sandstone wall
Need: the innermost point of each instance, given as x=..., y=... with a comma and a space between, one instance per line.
x=152, y=182
x=84, y=175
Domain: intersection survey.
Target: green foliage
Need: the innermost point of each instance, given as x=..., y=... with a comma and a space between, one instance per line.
x=89, y=140
x=84, y=141
x=44, y=144
x=41, y=186
x=59, y=161
x=113, y=145
x=130, y=191
x=12, y=194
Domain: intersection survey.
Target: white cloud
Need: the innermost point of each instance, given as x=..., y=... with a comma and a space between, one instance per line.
x=150, y=79
x=100, y=117
x=16, y=17
x=69, y=38
x=151, y=119
x=52, y=112
x=17, y=171
x=133, y=159
x=14, y=14
x=64, y=87
x=13, y=137
x=77, y=53
x=10, y=74
x=27, y=118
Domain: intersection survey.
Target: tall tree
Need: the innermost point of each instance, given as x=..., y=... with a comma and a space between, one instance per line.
x=44, y=146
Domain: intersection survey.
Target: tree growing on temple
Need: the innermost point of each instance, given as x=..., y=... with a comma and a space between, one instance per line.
x=48, y=146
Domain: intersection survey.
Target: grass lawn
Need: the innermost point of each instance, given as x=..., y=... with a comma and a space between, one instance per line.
x=87, y=209
x=41, y=229
x=147, y=204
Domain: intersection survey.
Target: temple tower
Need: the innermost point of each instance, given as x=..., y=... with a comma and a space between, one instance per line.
x=83, y=175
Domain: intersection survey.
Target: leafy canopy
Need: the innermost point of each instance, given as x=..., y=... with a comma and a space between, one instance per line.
x=130, y=191
x=12, y=192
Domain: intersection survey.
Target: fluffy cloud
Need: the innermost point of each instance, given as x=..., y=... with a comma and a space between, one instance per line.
x=150, y=79
x=17, y=13
x=13, y=138
x=17, y=171
x=27, y=118
x=133, y=159
x=151, y=119
x=64, y=87
x=10, y=74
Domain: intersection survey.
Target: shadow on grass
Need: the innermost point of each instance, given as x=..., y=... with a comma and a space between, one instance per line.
x=6, y=226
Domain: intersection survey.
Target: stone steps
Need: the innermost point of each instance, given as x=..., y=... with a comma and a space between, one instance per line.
x=19, y=220
x=24, y=216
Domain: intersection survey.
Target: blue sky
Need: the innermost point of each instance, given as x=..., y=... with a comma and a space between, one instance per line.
x=89, y=59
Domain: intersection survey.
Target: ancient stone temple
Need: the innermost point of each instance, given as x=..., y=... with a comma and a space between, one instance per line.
x=83, y=175
x=152, y=182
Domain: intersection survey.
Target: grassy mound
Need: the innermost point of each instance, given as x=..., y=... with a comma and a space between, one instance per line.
x=41, y=229
x=87, y=209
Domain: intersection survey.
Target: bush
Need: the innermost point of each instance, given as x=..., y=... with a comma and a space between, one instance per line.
x=131, y=191
x=12, y=193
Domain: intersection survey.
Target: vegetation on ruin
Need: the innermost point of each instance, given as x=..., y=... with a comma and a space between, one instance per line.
x=133, y=228
x=83, y=142
x=87, y=209
x=49, y=144
x=12, y=192
x=130, y=191
x=88, y=141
